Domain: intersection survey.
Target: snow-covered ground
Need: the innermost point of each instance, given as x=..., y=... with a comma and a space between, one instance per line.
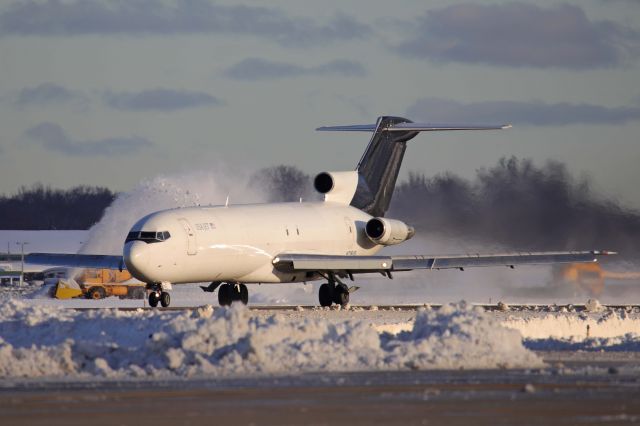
x=41, y=341
x=47, y=338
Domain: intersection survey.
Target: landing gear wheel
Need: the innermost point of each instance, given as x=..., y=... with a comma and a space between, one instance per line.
x=324, y=295
x=225, y=295
x=341, y=295
x=96, y=293
x=244, y=294
x=165, y=299
x=154, y=298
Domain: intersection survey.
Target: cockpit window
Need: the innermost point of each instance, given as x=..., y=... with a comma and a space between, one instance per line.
x=147, y=236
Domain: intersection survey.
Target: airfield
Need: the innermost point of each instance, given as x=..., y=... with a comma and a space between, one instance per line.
x=279, y=363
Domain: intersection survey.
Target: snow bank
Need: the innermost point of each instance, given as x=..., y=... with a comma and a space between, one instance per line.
x=628, y=343
x=45, y=341
x=572, y=326
x=610, y=331
x=458, y=337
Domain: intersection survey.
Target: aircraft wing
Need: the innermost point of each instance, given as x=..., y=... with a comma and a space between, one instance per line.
x=77, y=260
x=290, y=262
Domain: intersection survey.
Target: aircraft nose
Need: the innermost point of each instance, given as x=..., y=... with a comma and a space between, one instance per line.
x=136, y=257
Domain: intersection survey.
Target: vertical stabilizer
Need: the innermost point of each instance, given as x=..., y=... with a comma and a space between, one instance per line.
x=379, y=166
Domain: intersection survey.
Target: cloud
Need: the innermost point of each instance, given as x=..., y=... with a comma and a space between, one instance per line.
x=160, y=100
x=527, y=113
x=152, y=17
x=47, y=94
x=521, y=35
x=262, y=69
x=53, y=138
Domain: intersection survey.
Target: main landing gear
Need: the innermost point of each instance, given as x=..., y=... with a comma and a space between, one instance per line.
x=158, y=295
x=229, y=293
x=333, y=292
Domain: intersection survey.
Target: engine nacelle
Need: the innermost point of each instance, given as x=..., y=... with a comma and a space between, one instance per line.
x=337, y=186
x=388, y=232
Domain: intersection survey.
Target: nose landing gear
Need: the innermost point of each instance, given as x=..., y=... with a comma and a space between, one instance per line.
x=158, y=295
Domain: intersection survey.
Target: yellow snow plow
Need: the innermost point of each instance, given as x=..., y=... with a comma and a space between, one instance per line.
x=98, y=284
x=67, y=289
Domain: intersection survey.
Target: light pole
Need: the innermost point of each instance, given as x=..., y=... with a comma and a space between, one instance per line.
x=22, y=244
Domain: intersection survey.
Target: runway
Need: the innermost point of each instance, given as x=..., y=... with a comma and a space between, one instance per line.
x=301, y=364
x=415, y=397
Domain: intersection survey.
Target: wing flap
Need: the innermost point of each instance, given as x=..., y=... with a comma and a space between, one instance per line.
x=364, y=264
x=77, y=260
x=315, y=262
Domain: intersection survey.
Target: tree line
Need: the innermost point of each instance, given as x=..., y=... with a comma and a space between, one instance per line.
x=41, y=207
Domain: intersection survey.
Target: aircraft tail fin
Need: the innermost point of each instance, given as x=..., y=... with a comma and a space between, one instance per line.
x=380, y=164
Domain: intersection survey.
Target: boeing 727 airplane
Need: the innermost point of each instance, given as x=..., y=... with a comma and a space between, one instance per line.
x=332, y=240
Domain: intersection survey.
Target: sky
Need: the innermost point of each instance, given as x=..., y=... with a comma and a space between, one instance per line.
x=110, y=92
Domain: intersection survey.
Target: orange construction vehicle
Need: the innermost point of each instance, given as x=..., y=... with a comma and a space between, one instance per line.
x=101, y=283
x=589, y=277
x=94, y=284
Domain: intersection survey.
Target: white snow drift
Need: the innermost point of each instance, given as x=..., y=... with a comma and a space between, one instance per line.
x=608, y=324
x=44, y=341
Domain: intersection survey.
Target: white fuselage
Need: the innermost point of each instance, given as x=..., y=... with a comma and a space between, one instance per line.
x=239, y=243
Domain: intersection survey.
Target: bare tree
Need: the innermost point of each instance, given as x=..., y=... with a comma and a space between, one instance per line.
x=283, y=183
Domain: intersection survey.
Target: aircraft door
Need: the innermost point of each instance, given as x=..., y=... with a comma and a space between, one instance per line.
x=192, y=247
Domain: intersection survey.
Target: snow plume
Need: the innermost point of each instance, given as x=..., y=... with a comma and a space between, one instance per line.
x=38, y=342
x=165, y=192
x=520, y=206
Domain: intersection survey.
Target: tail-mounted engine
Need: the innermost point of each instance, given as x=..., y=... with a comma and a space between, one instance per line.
x=338, y=187
x=388, y=232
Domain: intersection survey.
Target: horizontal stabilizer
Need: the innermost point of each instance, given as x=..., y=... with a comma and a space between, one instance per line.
x=367, y=264
x=94, y=261
x=412, y=127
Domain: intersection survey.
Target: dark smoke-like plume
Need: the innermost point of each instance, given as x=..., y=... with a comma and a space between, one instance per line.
x=521, y=207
